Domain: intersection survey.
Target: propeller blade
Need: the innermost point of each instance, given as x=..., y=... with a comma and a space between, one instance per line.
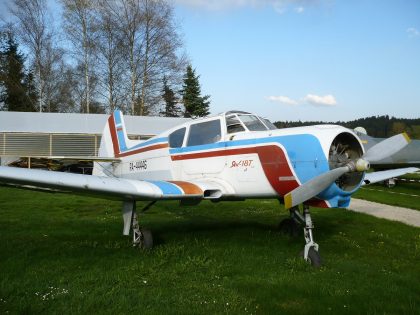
x=313, y=187
x=387, y=147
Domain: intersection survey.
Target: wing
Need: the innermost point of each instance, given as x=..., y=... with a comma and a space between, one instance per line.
x=110, y=187
x=375, y=177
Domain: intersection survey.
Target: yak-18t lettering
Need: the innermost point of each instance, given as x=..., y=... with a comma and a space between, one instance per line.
x=231, y=156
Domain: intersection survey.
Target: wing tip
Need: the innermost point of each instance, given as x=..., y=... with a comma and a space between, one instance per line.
x=406, y=137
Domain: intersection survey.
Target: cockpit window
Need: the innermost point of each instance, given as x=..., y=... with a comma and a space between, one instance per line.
x=205, y=133
x=269, y=124
x=252, y=123
x=233, y=124
x=176, y=138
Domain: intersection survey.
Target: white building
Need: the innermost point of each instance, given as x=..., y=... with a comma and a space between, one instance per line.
x=26, y=135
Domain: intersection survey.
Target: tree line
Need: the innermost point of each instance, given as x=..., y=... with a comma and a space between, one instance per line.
x=376, y=126
x=96, y=56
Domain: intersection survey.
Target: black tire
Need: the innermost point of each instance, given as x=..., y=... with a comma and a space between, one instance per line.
x=314, y=258
x=289, y=227
x=146, y=239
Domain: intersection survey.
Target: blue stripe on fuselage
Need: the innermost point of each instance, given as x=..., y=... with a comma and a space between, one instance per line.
x=121, y=136
x=167, y=188
x=149, y=142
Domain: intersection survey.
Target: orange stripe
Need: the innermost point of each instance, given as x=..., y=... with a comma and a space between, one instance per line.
x=188, y=188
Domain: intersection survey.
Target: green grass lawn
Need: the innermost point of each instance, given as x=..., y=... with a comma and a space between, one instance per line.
x=403, y=194
x=62, y=254
x=412, y=176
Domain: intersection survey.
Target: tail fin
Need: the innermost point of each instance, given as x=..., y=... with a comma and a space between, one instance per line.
x=114, y=136
x=114, y=140
x=118, y=133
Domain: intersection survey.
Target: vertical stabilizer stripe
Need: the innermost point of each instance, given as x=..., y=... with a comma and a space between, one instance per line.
x=120, y=130
x=113, y=132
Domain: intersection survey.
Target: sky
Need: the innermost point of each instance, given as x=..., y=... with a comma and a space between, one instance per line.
x=309, y=60
x=323, y=60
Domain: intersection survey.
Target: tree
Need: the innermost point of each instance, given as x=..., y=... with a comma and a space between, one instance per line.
x=33, y=31
x=159, y=54
x=128, y=16
x=171, y=109
x=110, y=41
x=151, y=47
x=195, y=104
x=79, y=16
x=18, y=93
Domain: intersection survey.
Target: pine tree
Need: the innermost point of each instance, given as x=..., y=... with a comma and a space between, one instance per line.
x=168, y=95
x=31, y=92
x=195, y=104
x=16, y=96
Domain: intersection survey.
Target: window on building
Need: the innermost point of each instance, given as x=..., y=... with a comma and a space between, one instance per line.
x=176, y=138
x=205, y=133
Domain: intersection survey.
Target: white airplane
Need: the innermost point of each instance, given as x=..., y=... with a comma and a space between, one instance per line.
x=232, y=156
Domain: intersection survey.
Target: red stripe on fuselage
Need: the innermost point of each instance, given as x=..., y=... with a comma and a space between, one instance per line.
x=145, y=149
x=272, y=158
x=115, y=144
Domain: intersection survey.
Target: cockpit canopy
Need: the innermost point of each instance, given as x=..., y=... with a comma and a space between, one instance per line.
x=212, y=129
x=237, y=121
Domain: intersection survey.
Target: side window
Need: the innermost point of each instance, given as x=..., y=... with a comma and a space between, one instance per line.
x=176, y=138
x=204, y=133
x=233, y=124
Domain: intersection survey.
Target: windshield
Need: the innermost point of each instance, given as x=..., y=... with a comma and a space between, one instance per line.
x=269, y=124
x=252, y=123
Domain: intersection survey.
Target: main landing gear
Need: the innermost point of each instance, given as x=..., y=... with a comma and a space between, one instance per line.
x=291, y=226
x=142, y=238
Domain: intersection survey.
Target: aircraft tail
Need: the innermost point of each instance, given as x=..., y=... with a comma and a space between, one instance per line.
x=114, y=137
x=114, y=142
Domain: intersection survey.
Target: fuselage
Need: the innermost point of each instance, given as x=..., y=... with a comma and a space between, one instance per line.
x=240, y=151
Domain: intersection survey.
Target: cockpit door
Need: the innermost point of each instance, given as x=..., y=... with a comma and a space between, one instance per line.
x=204, y=149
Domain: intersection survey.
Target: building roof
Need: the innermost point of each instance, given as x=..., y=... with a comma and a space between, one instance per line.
x=81, y=123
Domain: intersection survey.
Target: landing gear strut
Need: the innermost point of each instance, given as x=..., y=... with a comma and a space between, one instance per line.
x=310, y=252
x=142, y=238
x=290, y=226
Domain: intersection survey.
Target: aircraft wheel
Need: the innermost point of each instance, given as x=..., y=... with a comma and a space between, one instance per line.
x=314, y=258
x=146, y=239
x=290, y=227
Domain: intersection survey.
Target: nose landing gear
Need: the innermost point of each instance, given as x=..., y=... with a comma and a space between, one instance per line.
x=290, y=226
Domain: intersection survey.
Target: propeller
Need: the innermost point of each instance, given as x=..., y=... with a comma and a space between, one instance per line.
x=321, y=182
x=387, y=147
